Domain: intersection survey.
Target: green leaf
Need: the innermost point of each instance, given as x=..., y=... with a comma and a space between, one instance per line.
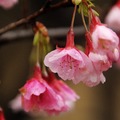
x=95, y=12
x=36, y=38
x=90, y=4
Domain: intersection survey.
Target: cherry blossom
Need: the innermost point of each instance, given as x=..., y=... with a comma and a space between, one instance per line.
x=8, y=3
x=37, y=95
x=100, y=61
x=72, y=64
x=113, y=22
x=112, y=19
x=47, y=94
x=104, y=40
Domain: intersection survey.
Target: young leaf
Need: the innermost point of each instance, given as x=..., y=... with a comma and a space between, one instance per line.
x=36, y=38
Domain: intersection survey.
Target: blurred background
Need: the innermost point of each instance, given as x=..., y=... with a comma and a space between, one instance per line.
x=98, y=103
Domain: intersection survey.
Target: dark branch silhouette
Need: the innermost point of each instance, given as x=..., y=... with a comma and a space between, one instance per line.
x=34, y=15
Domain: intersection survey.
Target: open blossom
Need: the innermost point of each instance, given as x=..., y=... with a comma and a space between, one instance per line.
x=112, y=18
x=7, y=3
x=104, y=40
x=72, y=64
x=1, y=114
x=37, y=95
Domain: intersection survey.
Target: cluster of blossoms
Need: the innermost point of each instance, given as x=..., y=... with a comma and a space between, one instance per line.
x=47, y=94
x=7, y=3
x=73, y=64
x=43, y=92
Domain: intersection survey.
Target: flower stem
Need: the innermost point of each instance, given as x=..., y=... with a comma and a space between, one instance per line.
x=83, y=19
x=73, y=17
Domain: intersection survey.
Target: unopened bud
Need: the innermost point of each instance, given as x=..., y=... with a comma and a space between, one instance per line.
x=76, y=2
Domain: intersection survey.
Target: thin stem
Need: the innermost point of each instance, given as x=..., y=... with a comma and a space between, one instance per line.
x=83, y=19
x=73, y=17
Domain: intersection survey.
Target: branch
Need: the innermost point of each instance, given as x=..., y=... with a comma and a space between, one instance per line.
x=33, y=16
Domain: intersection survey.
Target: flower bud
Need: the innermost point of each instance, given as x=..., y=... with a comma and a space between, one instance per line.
x=76, y=2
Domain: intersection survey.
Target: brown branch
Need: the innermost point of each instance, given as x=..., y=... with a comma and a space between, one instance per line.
x=32, y=16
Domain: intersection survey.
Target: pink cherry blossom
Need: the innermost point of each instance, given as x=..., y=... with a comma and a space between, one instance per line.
x=39, y=96
x=7, y=3
x=102, y=48
x=112, y=19
x=104, y=41
x=64, y=63
x=1, y=114
x=72, y=64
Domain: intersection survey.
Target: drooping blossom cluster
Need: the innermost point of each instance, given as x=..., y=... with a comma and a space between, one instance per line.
x=44, y=92
x=73, y=64
x=103, y=45
x=7, y=3
x=47, y=94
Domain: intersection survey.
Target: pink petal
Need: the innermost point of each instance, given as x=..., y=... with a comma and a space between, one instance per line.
x=50, y=100
x=94, y=79
x=33, y=86
x=102, y=32
x=100, y=62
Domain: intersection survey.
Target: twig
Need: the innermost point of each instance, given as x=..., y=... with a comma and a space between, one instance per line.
x=32, y=16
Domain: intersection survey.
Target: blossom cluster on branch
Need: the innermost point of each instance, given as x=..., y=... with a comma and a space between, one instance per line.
x=44, y=92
